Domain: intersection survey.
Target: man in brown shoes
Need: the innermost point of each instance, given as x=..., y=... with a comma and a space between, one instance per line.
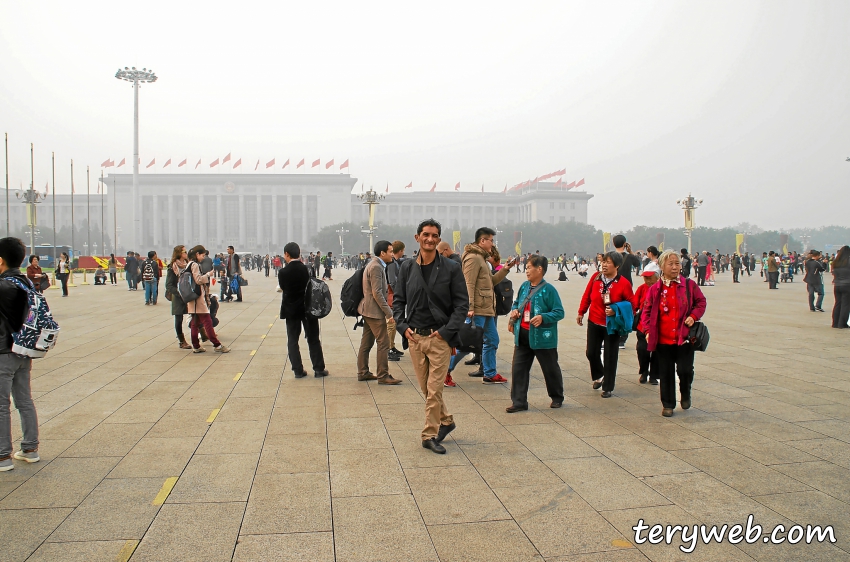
x=375, y=312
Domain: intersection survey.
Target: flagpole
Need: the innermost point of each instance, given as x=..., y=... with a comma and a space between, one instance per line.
x=114, y=220
x=73, y=230
x=7, y=184
x=32, y=189
x=102, y=215
x=88, y=211
x=53, y=174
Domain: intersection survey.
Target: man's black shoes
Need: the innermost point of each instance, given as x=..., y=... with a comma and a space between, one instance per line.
x=476, y=360
x=434, y=446
x=322, y=373
x=300, y=374
x=478, y=373
x=511, y=409
x=444, y=431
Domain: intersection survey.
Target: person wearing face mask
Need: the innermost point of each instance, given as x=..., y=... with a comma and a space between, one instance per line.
x=671, y=307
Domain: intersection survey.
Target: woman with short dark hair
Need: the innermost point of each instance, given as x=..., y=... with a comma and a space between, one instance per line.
x=841, y=287
x=35, y=274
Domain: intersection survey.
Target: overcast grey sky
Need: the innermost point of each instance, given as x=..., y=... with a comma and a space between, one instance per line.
x=744, y=103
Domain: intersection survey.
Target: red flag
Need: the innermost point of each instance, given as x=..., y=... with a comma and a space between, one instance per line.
x=315, y=163
x=151, y=164
x=123, y=161
x=457, y=186
x=198, y=164
x=285, y=164
x=482, y=188
x=560, y=172
x=167, y=163
x=300, y=164
x=214, y=163
x=237, y=163
x=105, y=163
x=571, y=185
x=387, y=190
x=329, y=164
x=408, y=186
x=506, y=189
x=226, y=158
x=580, y=182
x=559, y=183
x=433, y=187
x=257, y=166
x=183, y=163
x=344, y=164
x=270, y=163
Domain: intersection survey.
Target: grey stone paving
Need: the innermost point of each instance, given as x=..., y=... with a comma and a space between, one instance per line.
x=272, y=468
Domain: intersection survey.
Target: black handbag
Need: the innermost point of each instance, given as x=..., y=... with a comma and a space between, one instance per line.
x=698, y=334
x=471, y=338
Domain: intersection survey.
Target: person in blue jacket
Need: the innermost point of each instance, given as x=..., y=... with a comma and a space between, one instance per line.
x=534, y=321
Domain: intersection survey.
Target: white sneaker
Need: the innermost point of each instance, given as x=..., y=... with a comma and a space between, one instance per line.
x=200, y=349
x=32, y=456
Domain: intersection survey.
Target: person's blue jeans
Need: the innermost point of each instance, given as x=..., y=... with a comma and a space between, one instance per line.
x=150, y=291
x=491, y=344
x=15, y=383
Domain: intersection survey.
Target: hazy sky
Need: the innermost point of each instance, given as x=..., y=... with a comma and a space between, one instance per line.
x=744, y=103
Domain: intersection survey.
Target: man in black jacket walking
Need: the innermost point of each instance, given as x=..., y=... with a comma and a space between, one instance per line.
x=293, y=280
x=131, y=270
x=430, y=304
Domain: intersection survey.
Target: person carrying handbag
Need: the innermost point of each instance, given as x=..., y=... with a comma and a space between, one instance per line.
x=534, y=321
x=63, y=269
x=670, y=309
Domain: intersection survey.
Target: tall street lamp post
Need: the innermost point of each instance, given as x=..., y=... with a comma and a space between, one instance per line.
x=342, y=232
x=30, y=198
x=689, y=204
x=136, y=77
x=371, y=198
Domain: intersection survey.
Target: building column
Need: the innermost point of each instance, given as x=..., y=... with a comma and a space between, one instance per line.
x=202, y=219
x=275, y=220
x=241, y=221
x=187, y=221
x=304, y=219
x=260, y=241
x=289, y=219
x=219, y=219
x=157, y=238
x=170, y=229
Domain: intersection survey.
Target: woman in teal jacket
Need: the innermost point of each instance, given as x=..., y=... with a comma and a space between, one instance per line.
x=534, y=322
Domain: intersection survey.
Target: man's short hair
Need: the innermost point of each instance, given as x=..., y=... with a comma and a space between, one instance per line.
x=615, y=257
x=652, y=250
x=619, y=241
x=539, y=261
x=429, y=222
x=482, y=232
x=684, y=251
x=293, y=250
x=151, y=254
x=398, y=246
x=382, y=246
x=12, y=250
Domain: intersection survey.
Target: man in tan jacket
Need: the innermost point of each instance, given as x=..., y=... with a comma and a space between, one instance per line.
x=375, y=312
x=480, y=280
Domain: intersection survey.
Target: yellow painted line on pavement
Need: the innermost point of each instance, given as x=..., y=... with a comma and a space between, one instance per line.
x=263, y=337
x=253, y=352
x=127, y=551
x=620, y=543
x=237, y=377
x=270, y=325
x=213, y=415
x=165, y=490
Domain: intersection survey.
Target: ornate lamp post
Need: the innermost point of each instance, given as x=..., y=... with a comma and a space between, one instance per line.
x=136, y=77
x=31, y=198
x=689, y=204
x=371, y=198
x=342, y=232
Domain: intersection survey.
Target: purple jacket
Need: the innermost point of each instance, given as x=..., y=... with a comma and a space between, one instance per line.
x=652, y=308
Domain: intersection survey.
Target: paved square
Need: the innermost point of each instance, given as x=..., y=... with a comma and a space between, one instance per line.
x=150, y=452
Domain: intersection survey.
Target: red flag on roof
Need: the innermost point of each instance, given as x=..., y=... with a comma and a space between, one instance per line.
x=198, y=164
x=237, y=163
x=506, y=189
x=433, y=187
x=270, y=163
x=123, y=161
x=300, y=164
x=457, y=186
x=559, y=183
x=105, y=163
x=167, y=163
x=571, y=185
x=151, y=164
x=580, y=182
x=329, y=164
x=408, y=186
x=214, y=163
x=181, y=164
x=344, y=164
x=285, y=164
x=226, y=158
x=316, y=162
x=560, y=172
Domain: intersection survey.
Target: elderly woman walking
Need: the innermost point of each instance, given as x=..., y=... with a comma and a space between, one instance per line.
x=671, y=307
x=200, y=307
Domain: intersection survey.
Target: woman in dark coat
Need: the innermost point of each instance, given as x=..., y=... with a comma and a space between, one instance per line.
x=179, y=260
x=841, y=287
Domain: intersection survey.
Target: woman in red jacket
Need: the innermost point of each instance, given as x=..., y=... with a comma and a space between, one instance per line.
x=670, y=309
x=605, y=288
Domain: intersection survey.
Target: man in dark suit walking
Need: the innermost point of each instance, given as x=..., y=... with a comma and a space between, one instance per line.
x=293, y=280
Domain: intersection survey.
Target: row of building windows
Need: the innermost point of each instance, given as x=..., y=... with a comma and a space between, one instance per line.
x=562, y=205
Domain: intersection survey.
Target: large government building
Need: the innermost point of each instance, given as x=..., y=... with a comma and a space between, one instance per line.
x=261, y=212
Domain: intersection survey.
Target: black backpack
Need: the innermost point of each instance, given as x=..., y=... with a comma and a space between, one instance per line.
x=352, y=293
x=504, y=292
x=317, y=299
